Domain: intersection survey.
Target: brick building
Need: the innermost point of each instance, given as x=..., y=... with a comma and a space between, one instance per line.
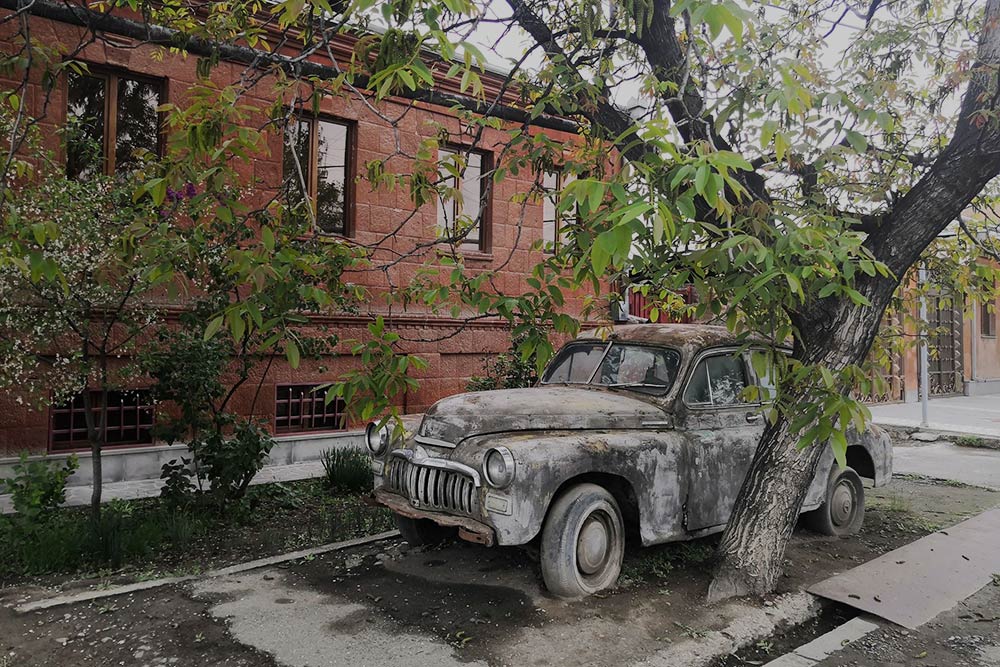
x=115, y=105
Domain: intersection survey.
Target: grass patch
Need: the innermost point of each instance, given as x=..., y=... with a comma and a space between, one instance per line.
x=145, y=538
x=977, y=442
x=348, y=470
x=657, y=563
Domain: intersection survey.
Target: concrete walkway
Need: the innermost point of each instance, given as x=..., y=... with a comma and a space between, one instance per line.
x=147, y=488
x=943, y=460
x=973, y=415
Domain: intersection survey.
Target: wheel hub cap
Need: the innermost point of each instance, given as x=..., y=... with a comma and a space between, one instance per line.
x=592, y=545
x=842, y=504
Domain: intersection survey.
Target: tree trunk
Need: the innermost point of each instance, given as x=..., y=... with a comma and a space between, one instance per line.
x=752, y=550
x=94, y=438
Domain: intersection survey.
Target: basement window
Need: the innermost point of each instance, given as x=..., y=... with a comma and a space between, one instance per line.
x=130, y=419
x=303, y=407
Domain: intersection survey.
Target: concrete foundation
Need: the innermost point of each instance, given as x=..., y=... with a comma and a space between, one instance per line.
x=142, y=463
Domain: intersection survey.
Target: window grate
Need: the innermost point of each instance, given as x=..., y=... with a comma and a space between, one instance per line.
x=300, y=407
x=130, y=419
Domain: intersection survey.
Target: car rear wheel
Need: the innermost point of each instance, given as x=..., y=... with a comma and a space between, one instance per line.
x=583, y=542
x=420, y=532
x=843, y=511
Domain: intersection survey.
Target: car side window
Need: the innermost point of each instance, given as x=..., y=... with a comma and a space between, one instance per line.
x=718, y=381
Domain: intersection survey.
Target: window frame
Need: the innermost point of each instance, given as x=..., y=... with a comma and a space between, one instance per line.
x=561, y=219
x=987, y=320
x=312, y=165
x=73, y=445
x=485, y=244
x=109, y=136
x=339, y=412
x=718, y=352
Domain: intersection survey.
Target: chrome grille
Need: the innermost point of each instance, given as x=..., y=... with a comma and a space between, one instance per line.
x=432, y=488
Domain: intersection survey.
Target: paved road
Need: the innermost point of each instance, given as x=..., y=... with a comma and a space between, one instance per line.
x=975, y=415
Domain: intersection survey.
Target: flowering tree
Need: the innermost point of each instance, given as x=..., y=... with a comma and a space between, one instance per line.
x=792, y=162
x=80, y=286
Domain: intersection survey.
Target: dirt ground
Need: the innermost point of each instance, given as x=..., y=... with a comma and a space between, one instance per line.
x=386, y=604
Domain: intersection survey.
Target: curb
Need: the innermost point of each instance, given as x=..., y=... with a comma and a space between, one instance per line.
x=751, y=623
x=826, y=645
x=60, y=600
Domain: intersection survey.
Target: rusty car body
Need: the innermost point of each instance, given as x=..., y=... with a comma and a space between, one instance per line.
x=646, y=429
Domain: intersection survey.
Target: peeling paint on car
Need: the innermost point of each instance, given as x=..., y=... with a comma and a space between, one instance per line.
x=674, y=470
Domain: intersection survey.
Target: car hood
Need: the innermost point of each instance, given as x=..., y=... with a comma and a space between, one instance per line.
x=561, y=408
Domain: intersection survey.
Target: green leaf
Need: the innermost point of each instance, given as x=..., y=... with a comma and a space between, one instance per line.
x=857, y=141
x=292, y=353
x=213, y=327
x=839, y=443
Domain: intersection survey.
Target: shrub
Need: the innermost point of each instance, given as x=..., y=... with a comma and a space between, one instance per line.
x=230, y=463
x=178, y=490
x=508, y=370
x=348, y=470
x=38, y=488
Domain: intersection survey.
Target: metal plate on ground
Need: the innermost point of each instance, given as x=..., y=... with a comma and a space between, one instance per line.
x=915, y=583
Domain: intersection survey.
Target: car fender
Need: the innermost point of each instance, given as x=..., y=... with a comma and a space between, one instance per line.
x=546, y=463
x=878, y=446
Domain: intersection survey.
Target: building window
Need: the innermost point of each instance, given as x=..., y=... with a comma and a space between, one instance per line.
x=463, y=213
x=303, y=407
x=554, y=221
x=988, y=319
x=130, y=418
x=317, y=169
x=112, y=121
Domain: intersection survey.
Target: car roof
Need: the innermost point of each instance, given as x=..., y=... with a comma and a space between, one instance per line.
x=696, y=336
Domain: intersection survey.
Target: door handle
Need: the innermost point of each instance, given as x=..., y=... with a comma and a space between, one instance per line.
x=754, y=417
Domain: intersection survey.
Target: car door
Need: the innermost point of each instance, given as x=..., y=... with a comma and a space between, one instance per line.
x=722, y=431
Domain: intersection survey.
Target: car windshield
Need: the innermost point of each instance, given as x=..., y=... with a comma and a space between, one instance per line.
x=650, y=370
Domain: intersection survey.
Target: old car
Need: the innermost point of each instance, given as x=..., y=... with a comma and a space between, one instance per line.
x=646, y=430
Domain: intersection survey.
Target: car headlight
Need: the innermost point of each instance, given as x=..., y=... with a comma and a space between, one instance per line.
x=376, y=438
x=498, y=467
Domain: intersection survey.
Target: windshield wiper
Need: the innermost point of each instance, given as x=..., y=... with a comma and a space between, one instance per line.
x=619, y=385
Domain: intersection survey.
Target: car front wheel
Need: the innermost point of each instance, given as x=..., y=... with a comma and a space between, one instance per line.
x=843, y=511
x=583, y=542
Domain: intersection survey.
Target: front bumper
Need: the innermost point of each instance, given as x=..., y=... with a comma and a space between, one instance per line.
x=468, y=529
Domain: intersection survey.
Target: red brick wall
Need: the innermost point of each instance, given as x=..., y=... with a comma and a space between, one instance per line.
x=376, y=214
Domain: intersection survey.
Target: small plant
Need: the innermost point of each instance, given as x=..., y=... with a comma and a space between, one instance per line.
x=348, y=470
x=996, y=579
x=38, y=487
x=178, y=489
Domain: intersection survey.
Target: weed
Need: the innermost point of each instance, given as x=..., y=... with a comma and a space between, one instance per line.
x=996, y=579
x=658, y=563
x=765, y=645
x=689, y=631
x=970, y=441
x=348, y=470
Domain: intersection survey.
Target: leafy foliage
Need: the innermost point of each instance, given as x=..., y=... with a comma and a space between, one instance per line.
x=510, y=370
x=38, y=487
